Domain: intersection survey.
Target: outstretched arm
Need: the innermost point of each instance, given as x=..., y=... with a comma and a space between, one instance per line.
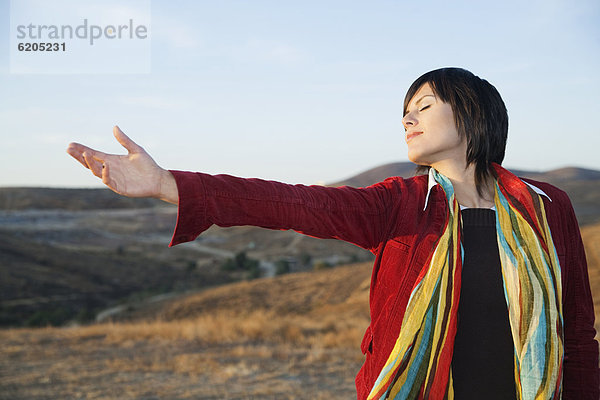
x=355, y=215
x=135, y=174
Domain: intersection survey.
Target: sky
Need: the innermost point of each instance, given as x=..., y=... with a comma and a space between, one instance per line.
x=306, y=91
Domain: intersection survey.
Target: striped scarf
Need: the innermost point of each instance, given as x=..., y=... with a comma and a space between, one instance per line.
x=419, y=366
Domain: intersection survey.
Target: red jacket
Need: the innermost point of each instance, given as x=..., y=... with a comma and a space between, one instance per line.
x=390, y=220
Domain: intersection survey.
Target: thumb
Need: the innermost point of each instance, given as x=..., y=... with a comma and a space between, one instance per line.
x=126, y=142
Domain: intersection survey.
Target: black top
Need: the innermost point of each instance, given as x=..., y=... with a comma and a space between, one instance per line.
x=482, y=363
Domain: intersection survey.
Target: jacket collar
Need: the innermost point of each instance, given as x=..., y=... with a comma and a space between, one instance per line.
x=506, y=175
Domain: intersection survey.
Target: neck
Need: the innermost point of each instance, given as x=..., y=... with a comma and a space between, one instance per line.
x=465, y=189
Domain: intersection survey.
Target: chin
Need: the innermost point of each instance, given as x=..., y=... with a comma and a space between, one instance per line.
x=416, y=159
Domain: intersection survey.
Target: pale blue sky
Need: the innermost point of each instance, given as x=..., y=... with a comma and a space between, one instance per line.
x=309, y=91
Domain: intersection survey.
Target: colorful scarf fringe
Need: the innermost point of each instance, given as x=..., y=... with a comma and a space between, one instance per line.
x=419, y=366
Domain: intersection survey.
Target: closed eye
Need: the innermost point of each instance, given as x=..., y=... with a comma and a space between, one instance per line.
x=424, y=108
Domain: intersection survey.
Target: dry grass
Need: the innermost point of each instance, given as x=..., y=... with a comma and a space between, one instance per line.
x=182, y=359
x=258, y=326
x=293, y=337
x=591, y=239
x=235, y=350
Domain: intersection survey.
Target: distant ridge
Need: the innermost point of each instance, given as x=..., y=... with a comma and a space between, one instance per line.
x=582, y=185
x=377, y=174
x=408, y=169
x=562, y=174
x=24, y=198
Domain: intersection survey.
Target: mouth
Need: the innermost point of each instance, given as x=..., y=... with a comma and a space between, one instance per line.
x=411, y=135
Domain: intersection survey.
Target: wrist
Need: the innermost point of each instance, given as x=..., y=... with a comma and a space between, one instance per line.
x=168, y=188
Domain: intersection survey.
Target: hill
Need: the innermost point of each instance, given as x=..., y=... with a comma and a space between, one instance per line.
x=377, y=174
x=69, y=254
x=591, y=239
x=582, y=185
x=342, y=291
x=290, y=337
x=294, y=336
x=408, y=169
x=26, y=198
x=59, y=265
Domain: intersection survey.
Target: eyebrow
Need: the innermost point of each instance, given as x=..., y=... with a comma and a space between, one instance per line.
x=422, y=97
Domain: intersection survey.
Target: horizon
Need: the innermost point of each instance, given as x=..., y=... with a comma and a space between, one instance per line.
x=100, y=185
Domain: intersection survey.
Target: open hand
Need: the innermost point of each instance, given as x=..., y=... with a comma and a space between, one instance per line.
x=134, y=174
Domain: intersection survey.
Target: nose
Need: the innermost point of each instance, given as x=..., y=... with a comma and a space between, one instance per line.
x=409, y=120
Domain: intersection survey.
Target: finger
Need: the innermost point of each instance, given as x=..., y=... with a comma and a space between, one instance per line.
x=126, y=142
x=93, y=163
x=76, y=151
x=106, y=179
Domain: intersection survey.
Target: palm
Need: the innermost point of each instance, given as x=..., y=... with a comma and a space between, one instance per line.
x=134, y=174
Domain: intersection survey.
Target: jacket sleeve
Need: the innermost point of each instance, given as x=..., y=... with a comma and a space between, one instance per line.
x=581, y=372
x=355, y=215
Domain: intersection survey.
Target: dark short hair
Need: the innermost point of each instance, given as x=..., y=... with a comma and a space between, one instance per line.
x=479, y=113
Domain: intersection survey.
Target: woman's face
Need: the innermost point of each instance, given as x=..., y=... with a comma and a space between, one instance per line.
x=431, y=133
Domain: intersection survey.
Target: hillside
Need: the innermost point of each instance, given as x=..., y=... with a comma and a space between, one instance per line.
x=22, y=198
x=408, y=169
x=582, y=185
x=71, y=254
x=290, y=337
x=60, y=265
x=341, y=290
x=45, y=283
x=377, y=174
x=591, y=240
x=295, y=336
x=571, y=179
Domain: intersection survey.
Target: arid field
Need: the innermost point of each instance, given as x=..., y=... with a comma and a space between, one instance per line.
x=290, y=337
x=295, y=336
x=172, y=325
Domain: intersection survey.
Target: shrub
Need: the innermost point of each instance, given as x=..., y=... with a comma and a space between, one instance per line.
x=241, y=262
x=319, y=265
x=305, y=258
x=282, y=267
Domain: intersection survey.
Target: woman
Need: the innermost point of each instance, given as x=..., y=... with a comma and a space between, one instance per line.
x=479, y=287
